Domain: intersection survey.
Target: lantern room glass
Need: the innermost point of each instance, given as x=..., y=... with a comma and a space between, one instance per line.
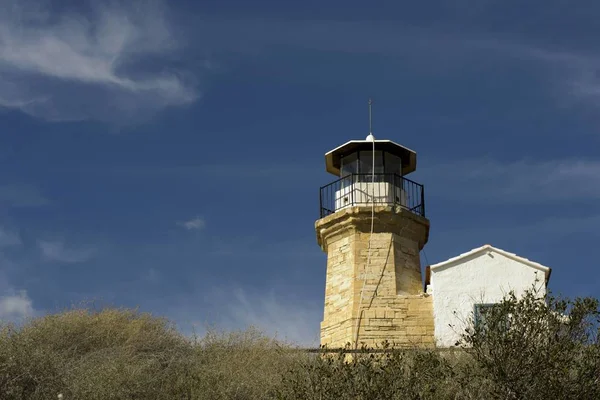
x=349, y=164
x=362, y=163
x=365, y=159
x=392, y=164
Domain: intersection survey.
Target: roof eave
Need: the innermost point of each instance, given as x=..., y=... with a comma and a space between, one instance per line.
x=335, y=170
x=454, y=260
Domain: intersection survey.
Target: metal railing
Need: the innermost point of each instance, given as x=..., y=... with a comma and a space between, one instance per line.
x=362, y=189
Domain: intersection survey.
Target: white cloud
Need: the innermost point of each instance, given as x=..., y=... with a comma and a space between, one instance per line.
x=525, y=181
x=584, y=82
x=574, y=74
x=233, y=308
x=195, y=223
x=109, y=64
x=286, y=319
x=56, y=251
x=539, y=233
x=16, y=306
x=277, y=316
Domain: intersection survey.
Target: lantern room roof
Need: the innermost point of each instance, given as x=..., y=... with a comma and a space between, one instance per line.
x=333, y=159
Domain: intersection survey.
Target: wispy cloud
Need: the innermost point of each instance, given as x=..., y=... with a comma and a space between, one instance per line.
x=573, y=73
x=529, y=235
x=276, y=315
x=89, y=66
x=525, y=181
x=193, y=224
x=21, y=195
x=56, y=251
x=288, y=320
x=15, y=306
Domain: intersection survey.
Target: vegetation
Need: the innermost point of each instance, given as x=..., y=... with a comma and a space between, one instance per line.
x=525, y=349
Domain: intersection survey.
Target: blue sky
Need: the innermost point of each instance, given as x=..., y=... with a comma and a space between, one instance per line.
x=168, y=156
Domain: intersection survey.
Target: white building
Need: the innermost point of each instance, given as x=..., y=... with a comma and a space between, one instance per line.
x=463, y=285
x=372, y=225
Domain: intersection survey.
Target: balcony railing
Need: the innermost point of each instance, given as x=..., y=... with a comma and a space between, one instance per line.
x=362, y=189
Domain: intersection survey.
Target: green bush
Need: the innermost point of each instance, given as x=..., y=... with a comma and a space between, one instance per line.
x=528, y=348
x=111, y=354
x=241, y=365
x=124, y=354
x=397, y=374
x=539, y=347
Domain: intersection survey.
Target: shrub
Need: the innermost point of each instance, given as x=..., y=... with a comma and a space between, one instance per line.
x=531, y=347
x=539, y=347
x=111, y=354
x=124, y=354
x=396, y=374
x=241, y=365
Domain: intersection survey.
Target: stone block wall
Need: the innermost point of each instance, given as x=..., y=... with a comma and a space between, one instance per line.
x=403, y=320
x=385, y=300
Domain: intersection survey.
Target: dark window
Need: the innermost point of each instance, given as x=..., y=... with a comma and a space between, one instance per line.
x=480, y=313
x=350, y=164
x=366, y=162
x=393, y=164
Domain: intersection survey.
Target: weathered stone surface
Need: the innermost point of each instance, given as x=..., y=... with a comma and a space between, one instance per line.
x=393, y=306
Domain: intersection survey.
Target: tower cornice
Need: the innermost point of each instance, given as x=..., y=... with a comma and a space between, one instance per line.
x=387, y=218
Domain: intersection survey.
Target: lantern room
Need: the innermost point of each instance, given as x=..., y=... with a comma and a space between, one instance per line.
x=371, y=171
x=356, y=157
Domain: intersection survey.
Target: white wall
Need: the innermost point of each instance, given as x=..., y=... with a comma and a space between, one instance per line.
x=481, y=278
x=362, y=192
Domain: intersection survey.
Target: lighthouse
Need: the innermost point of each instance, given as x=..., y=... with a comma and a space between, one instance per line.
x=372, y=226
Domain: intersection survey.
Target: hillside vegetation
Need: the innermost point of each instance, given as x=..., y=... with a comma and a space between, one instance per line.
x=527, y=349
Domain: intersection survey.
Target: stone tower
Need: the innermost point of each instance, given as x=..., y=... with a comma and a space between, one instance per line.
x=372, y=226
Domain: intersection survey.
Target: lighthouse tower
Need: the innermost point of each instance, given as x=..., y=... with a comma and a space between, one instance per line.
x=372, y=227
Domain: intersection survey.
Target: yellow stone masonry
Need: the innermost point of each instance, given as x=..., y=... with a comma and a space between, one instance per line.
x=393, y=306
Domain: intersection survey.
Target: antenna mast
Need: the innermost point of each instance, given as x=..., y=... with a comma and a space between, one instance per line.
x=370, y=116
x=370, y=138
